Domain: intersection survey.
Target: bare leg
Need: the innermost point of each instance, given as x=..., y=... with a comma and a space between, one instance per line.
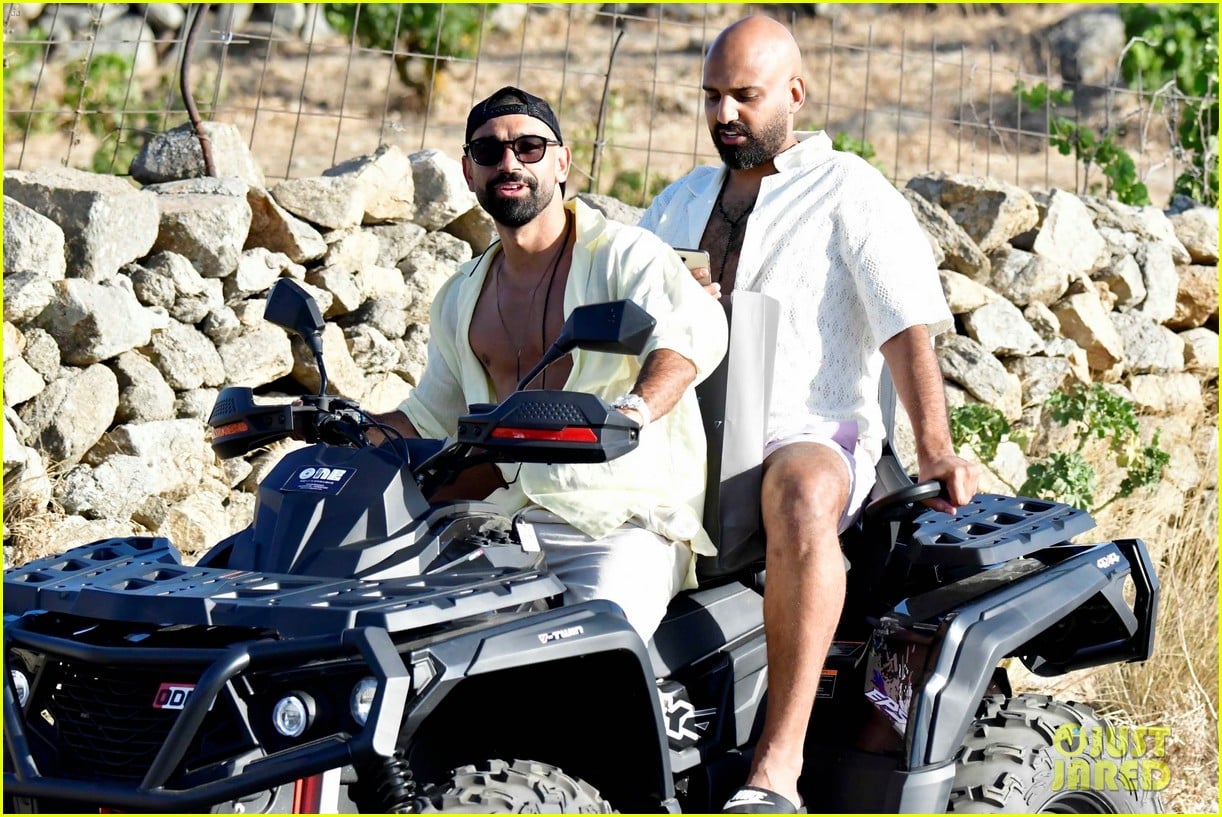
x=805, y=489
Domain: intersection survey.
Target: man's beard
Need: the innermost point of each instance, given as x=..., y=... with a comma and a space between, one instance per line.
x=517, y=211
x=757, y=149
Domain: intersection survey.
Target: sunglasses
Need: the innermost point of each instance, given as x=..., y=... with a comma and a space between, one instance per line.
x=488, y=151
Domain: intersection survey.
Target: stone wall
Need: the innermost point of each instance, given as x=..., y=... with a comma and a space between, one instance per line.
x=127, y=305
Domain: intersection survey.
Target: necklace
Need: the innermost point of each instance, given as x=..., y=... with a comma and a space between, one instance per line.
x=733, y=225
x=551, y=280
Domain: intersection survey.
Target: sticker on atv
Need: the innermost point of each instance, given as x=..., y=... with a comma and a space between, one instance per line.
x=319, y=479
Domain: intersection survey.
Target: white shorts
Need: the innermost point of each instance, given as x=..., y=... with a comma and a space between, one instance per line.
x=634, y=567
x=841, y=437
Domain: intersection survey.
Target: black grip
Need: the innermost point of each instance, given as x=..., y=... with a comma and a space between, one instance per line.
x=341, y=428
x=900, y=503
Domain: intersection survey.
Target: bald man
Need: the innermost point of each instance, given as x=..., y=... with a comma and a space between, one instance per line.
x=831, y=239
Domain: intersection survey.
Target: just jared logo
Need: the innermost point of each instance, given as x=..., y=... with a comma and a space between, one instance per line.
x=1110, y=758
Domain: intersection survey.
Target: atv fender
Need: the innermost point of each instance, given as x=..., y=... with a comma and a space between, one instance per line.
x=983, y=632
x=571, y=686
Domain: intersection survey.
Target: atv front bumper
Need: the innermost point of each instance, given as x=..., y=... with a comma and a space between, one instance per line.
x=23, y=779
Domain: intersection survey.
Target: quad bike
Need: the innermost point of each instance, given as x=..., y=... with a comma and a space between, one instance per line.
x=360, y=648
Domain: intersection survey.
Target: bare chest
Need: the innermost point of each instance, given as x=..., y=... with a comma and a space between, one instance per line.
x=511, y=328
x=723, y=241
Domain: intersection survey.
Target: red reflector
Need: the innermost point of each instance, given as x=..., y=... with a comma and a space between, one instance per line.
x=307, y=795
x=232, y=428
x=568, y=434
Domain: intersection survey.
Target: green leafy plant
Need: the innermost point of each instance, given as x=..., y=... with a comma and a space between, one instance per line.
x=1092, y=148
x=981, y=426
x=96, y=94
x=629, y=186
x=1177, y=43
x=1064, y=476
x=861, y=147
x=20, y=60
x=1093, y=414
x=412, y=30
x=99, y=97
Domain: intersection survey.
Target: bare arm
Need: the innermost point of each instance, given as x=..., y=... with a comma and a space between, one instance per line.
x=918, y=380
x=662, y=381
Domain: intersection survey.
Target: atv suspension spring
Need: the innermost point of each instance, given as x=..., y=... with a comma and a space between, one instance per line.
x=387, y=787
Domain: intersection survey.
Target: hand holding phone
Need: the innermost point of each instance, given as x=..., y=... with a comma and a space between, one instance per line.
x=698, y=262
x=693, y=259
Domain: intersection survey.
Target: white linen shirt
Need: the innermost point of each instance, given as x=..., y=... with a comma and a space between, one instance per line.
x=839, y=247
x=661, y=483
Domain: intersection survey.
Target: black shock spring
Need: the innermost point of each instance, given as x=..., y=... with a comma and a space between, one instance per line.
x=386, y=787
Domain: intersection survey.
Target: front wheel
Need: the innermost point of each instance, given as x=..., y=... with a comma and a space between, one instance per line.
x=512, y=787
x=1033, y=753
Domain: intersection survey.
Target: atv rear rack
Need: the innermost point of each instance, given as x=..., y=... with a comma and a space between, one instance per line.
x=989, y=530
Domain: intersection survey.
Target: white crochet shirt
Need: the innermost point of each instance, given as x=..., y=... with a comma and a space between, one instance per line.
x=839, y=247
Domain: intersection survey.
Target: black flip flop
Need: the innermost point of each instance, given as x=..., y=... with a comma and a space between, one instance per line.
x=754, y=800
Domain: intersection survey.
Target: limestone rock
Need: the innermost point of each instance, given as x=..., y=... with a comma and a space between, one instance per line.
x=106, y=222
x=990, y=212
x=72, y=413
x=1001, y=329
x=1196, y=299
x=1197, y=230
x=442, y=194
x=176, y=154
x=92, y=322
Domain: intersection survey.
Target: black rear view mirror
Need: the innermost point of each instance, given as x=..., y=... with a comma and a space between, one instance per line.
x=291, y=307
x=618, y=327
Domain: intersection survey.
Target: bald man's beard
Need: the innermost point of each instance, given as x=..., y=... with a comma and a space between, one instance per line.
x=759, y=148
x=515, y=212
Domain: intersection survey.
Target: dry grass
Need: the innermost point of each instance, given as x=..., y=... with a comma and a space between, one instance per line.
x=28, y=521
x=34, y=529
x=1177, y=687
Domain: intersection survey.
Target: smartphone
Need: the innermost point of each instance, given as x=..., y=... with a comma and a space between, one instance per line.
x=693, y=259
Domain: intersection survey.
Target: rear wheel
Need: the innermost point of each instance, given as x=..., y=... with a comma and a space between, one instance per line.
x=512, y=787
x=1015, y=760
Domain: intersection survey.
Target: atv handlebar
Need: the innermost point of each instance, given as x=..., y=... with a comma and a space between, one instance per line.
x=529, y=426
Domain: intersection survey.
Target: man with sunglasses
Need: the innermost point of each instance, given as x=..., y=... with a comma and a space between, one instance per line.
x=830, y=238
x=625, y=530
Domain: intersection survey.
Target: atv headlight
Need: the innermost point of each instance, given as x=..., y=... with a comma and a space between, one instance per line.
x=292, y=714
x=362, y=699
x=22, y=685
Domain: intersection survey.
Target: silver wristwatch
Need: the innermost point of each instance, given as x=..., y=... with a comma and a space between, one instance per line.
x=634, y=402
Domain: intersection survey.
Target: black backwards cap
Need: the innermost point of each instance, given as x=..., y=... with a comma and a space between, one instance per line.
x=510, y=101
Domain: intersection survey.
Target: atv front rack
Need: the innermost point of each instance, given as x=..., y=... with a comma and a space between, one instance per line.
x=140, y=579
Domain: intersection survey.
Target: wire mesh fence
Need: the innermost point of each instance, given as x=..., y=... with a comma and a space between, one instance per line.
x=914, y=89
